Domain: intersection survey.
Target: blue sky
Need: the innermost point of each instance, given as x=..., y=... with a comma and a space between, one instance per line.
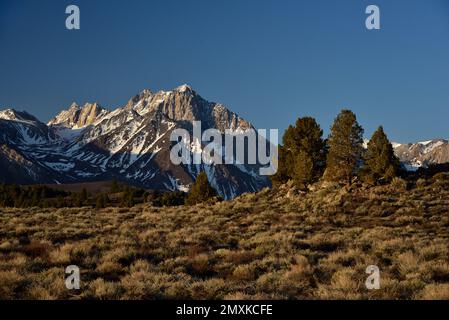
x=270, y=61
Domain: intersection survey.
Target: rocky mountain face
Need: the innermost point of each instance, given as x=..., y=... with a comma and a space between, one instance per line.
x=422, y=154
x=130, y=144
x=77, y=117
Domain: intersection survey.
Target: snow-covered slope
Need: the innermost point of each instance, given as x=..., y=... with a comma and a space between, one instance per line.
x=21, y=128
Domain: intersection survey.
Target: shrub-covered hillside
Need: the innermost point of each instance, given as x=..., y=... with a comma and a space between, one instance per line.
x=281, y=244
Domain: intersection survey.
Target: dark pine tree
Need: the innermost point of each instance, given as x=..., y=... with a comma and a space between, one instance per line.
x=302, y=156
x=380, y=164
x=82, y=198
x=101, y=201
x=345, y=148
x=114, y=187
x=127, y=198
x=282, y=175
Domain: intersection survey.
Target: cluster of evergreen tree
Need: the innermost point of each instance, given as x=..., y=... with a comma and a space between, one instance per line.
x=29, y=196
x=43, y=196
x=305, y=157
x=118, y=195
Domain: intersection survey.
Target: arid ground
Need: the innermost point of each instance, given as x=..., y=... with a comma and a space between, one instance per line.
x=279, y=244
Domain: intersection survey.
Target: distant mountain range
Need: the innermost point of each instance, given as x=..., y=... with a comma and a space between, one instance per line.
x=422, y=154
x=130, y=144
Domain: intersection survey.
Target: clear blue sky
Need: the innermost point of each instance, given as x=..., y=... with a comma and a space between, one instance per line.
x=269, y=61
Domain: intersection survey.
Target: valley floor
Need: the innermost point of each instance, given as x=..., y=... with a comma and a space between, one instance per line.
x=269, y=245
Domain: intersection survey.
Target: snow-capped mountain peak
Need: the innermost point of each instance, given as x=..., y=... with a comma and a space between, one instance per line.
x=131, y=143
x=184, y=88
x=14, y=115
x=8, y=114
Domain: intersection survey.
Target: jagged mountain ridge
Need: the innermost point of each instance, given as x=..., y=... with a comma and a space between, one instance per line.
x=79, y=117
x=131, y=143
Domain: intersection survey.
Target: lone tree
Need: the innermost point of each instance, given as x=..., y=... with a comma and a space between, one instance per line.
x=127, y=199
x=201, y=190
x=101, y=201
x=302, y=156
x=115, y=187
x=81, y=198
x=380, y=164
x=345, y=148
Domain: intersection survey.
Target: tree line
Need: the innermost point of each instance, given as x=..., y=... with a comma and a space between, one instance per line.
x=118, y=195
x=306, y=157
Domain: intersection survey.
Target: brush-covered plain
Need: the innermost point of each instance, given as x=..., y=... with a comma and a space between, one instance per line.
x=275, y=244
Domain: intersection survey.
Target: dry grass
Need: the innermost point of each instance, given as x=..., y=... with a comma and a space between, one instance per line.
x=258, y=246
